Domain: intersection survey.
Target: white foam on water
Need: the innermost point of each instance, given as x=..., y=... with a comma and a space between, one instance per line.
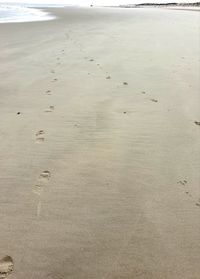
x=18, y=13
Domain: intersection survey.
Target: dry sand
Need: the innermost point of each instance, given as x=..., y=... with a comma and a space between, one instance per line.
x=100, y=152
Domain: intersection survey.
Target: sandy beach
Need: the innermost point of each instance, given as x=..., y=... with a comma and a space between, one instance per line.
x=100, y=149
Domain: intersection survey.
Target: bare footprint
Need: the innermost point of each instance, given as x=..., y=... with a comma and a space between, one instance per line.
x=6, y=267
x=197, y=123
x=108, y=77
x=125, y=83
x=45, y=175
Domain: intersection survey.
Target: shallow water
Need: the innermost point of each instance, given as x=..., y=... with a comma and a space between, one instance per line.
x=18, y=13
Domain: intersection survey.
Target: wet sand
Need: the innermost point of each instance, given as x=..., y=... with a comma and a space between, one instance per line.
x=99, y=137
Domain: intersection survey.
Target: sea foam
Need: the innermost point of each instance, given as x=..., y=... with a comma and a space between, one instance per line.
x=19, y=13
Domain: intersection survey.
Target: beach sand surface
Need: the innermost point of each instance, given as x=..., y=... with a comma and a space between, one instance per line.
x=100, y=149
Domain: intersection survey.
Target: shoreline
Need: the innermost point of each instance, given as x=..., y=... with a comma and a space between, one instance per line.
x=17, y=13
x=49, y=16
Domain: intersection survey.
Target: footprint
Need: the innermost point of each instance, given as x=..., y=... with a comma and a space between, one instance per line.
x=188, y=193
x=45, y=176
x=154, y=100
x=54, y=80
x=51, y=108
x=6, y=267
x=40, y=140
x=125, y=83
x=198, y=202
x=91, y=60
x=52, y=71
x=48, y=92
x=143, y=92
x=182, y=182
x=39, y=136
x=38, y=189
x=197, y=123
x=40, y=132
x=108, y=77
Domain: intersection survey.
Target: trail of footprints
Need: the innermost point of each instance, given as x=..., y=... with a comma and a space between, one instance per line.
x=123, y=83
x=44, y=176
x=40, y=135
x=90, y=59
x=187, y=192
x=181, y=182
x=6, y=263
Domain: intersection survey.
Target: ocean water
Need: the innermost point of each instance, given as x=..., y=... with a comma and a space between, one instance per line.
x=19, y=13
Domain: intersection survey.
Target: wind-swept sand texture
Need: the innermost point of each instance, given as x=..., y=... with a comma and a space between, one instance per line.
x=106, y=184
